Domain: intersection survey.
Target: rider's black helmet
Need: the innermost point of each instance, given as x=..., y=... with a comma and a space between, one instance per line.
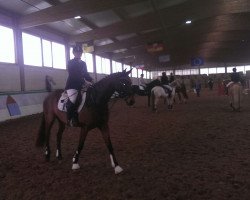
x=77, y=48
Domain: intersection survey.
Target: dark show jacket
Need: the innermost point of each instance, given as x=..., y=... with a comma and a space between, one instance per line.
x=77, y=70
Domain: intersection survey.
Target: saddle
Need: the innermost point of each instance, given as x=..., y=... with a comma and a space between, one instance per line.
x=64, y=99
x=168, y=91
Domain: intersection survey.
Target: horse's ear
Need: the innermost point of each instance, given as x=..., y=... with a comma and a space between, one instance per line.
x=128, y=72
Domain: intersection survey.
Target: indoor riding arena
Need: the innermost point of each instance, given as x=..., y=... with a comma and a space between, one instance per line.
x=124, y=99
x=198, y=150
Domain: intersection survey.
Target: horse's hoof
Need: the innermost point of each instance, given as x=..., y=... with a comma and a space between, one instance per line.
x=75, y=166
x=118, y=169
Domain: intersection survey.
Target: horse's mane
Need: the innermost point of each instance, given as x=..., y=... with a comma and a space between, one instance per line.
x=111, y=76
x=96, y=91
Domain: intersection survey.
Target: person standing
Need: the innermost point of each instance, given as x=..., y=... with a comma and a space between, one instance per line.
x=48, y=83
x=77, y=77
x=142, y=83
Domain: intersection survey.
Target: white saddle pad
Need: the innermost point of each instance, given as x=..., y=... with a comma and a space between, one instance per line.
x=141, y=87
x=64, y=98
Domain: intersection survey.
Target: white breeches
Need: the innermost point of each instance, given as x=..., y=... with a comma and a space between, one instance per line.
x=168, y=87
x=72, y=94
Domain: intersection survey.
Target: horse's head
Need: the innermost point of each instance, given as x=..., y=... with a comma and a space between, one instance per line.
x=176, y=83
x=124, y=87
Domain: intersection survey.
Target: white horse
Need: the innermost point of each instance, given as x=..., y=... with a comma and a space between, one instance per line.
x=235, y=96
x=159, y=92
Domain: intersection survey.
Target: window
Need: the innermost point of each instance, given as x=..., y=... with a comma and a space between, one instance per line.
x=116, y=67
x=32, y=51
x=186, y=72
x=230, y=69
x=102, y=65
x=7, y=51
x=127, y=67
x=106, y=65
x=134, y=72
x=149, y=75
x=88, y=58
x=59, y=57
x=47, y=55
x=168, y=72
x=240, y=69
x=178, y=72
x=247, y=68
x=40, y=52
x=140, y=72
x=204, y=71
x=194, y=71
x=220, y=70
x=212, y=70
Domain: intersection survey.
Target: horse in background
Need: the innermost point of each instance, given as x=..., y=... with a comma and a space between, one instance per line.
x=181, y=91
x=235, y=96
x=94, y=114
x=147, y=92
x=141, y=92
x=158, y=92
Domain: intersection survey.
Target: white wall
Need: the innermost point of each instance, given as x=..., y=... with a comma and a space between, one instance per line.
x=9, y=77
x=35, y=77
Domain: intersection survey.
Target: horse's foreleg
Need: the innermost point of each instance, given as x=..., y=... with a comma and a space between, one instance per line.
x=149, y=97
x=83, y=134
x=105, y=134
x=59, y=139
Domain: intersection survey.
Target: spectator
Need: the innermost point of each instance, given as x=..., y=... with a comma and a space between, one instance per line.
x=48, y=82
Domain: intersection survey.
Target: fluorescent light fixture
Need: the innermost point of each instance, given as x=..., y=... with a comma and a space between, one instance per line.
x=188, y=22
x=77, y=17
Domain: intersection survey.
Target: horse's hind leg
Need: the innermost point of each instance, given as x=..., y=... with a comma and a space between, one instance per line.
x=48, y=124
x=105, y=134
x=59, y=139
x=83, y=134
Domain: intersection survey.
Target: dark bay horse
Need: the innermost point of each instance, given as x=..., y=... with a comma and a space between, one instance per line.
x=94, y=114
x=147, y=91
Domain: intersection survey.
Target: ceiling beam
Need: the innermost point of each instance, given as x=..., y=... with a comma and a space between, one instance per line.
x=70, y=9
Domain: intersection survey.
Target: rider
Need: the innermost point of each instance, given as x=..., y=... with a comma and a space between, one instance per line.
x=235, y=78
x=77, y=74
x=165, y=83
x=171, y=78
x=142, y=82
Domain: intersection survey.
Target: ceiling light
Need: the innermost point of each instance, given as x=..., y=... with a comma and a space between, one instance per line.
x=77, y=17
x=188, y=22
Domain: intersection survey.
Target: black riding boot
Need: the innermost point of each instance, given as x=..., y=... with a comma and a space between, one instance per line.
x=71, y=114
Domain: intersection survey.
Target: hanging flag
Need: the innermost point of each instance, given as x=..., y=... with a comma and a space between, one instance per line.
x=139, y=67
x=197, y=61
x=164, y=58
x=155, y=47
x=87, y=48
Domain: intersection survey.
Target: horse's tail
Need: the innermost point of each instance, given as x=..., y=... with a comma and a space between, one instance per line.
x=41, y=133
